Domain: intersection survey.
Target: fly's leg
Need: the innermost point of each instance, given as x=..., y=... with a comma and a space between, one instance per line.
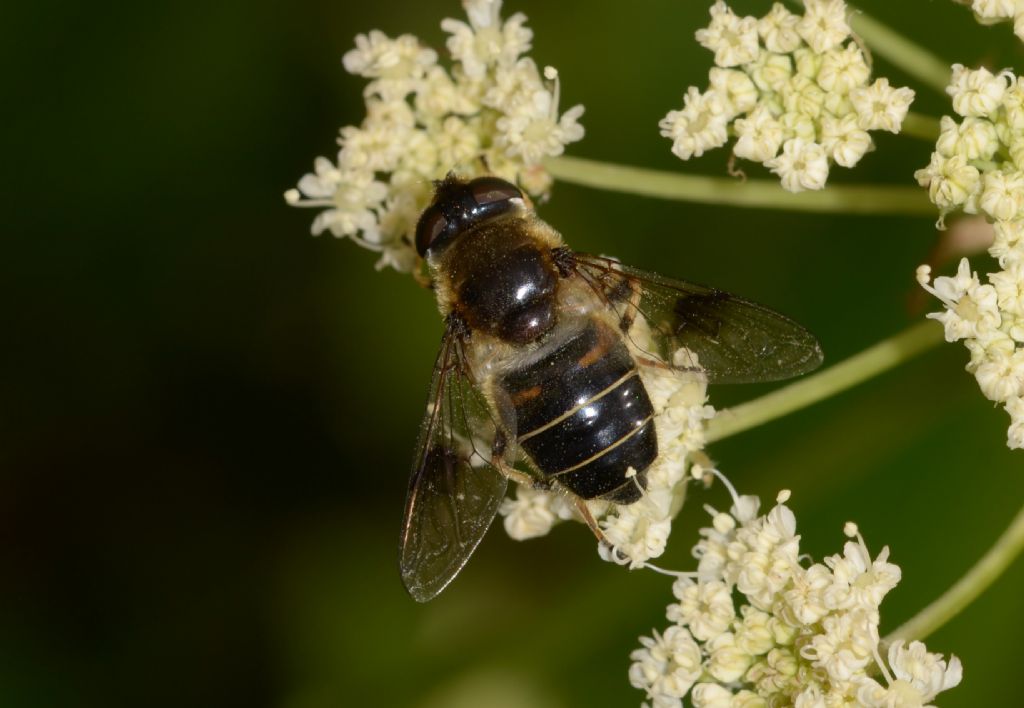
x=588, y=518
x=517, y=476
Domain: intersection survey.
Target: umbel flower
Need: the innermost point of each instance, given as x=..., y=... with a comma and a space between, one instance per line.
x=493, y=111
x=977, y=168
x=759, y=625
x=794, y=90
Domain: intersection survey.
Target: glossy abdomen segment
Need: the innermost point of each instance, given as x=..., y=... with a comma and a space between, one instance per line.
x=584, y=417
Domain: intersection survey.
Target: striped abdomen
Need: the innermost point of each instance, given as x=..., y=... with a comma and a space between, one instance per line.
x=583, y=415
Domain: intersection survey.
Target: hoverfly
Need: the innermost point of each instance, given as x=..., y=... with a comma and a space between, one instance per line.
x=535, y=368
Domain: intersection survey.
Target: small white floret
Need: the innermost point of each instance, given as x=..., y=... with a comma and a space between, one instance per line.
x=843, y=139
x=800, y=166
x=667, y=665
x=733, y=39
x=843, y=69
x=951, y=182
x=486, y=41
x=977, y=92
x=1002, y=196
x=706, y=609
x=378, y=56
x=778, y=30
x=759, y=136
x=824, y=24
x=881, y=106
x=699, y=126
x=734, y=88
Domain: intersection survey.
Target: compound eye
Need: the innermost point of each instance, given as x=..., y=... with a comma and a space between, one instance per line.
x=432, y=226
x=488, y=190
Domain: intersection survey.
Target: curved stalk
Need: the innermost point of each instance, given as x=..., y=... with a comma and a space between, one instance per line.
x=763, y=194
x=858, y=368
x=968, y=588
x=901, y=52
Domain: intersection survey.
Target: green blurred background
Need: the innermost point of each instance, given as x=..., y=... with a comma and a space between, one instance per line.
x=207, y=415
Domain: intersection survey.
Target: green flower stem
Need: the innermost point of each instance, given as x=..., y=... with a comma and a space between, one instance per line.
x=968, y=588
x=918, y=126
x=764, y=194
x=901, y=52
x=860, y=367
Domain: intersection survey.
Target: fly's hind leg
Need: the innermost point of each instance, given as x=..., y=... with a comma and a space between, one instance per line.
x=613, y=552
x=588, y=518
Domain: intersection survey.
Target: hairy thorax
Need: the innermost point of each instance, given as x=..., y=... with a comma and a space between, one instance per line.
x=502, y=281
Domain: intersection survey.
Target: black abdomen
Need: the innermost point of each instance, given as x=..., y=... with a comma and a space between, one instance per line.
x=583, y=415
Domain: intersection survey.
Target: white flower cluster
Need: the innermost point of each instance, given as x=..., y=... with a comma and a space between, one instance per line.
x=801, y=636
x=492, y=112
x=978, y=161
x=990, y=12
x=637, y=532
x=978, y=166
x=793, y=89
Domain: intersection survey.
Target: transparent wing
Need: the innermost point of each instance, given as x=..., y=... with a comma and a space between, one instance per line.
x=735, y=340
x=454, y=490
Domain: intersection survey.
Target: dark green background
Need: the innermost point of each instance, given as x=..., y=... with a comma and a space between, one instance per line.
x=207, y=415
